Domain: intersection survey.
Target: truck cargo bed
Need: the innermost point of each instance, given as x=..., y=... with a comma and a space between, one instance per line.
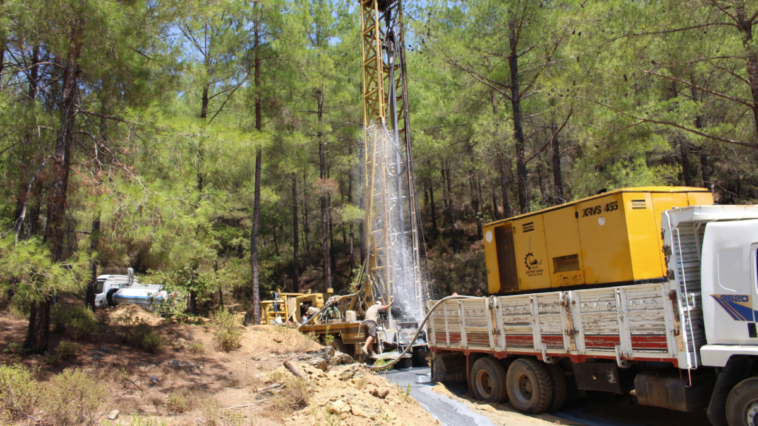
x=638, y=322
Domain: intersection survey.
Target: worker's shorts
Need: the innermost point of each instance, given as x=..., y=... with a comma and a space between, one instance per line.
x=370, y=328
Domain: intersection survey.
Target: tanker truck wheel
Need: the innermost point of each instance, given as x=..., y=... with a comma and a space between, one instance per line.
x=488, y=380
x=742, y=403
x=109, y=297
x=529, y=386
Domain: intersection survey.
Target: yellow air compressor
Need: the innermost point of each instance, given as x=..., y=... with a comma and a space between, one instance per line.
x=610, y=238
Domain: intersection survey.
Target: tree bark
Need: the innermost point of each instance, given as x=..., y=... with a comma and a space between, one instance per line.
x=326, y=263
x=307, y=230
x=705, y=169
x=351, y=253
x=94, y=242
x=686, y=169
x=745, y=27
x=295, y=242
x=257, y=190
x=39, y=319
x=560, y=198
x=39, y=324
x=451, y=211
x=504, y=189
x=522, y=173
x=434, y=211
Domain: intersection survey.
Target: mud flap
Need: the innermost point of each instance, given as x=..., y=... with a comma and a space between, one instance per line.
x=730, y=375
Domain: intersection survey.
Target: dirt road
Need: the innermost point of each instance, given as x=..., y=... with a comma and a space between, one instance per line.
x=451, y=405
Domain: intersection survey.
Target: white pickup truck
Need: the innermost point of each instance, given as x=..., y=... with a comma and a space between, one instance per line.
x=111, y=290
x=686, y=344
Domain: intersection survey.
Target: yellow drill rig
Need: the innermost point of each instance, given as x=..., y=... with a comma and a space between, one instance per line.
x=392, y=271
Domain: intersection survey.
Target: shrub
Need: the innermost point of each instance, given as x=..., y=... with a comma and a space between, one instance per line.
x=67, y=350
x=197, y=348
x=176, y=402
x=19, y=392
x=228, y=334
x=151, y=340
x=295, y=394
x=72, y=398
x=77, y=321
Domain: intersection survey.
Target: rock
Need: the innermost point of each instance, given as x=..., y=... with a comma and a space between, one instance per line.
x=153, y=378
x=348, y=373
x=358, y=411
x=96, y=358
x=338, y=407
x=485, y=408
x=179, y=344
x=113, y=415
x=380, y=393
x=104, y=349
x=174, y=364
x=318, y=362
x=340, y=358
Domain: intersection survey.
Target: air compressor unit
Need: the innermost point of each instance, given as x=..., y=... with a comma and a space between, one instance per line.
x=612, y=238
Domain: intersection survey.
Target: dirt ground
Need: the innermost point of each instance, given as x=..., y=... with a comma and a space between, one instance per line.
x=223, y=388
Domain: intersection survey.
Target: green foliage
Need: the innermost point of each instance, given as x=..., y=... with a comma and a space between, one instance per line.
x=77, y=321
x=19, y=392
x=72, y=398
x=176, y=402
x=197, y=348
x=228, y=333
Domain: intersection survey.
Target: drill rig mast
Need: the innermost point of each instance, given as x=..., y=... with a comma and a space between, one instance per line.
x=392, y=272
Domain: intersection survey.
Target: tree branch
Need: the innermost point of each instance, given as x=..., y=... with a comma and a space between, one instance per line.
x=678, y=126
x=552, y=138
x=694, y=86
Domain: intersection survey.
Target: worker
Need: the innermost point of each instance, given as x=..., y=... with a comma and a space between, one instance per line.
x=372, y=314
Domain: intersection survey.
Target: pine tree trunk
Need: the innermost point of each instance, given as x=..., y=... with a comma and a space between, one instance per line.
x=326, y=262
x=39, y=320
x=307, y=230
x=745, y=27
x=39, y=324
x=94, y=242
x=495, y=211
x=257, y=190
x=560, y=198
x=434, y=211
x=518, y=130
x=351, y=260
x=451, y=211
x=686, y=170
x=504, y=189
x=295, y=242
x=705, y=169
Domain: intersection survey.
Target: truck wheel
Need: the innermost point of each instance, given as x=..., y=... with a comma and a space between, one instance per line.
x=560, y=386
x=742, y=403
x=529, y=386
x=488, y=380
x=109, y=297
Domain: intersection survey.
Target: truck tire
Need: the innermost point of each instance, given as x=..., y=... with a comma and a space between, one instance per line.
x=488, y=380
x=529, y=386
x=742, y=403
x=109, y=297
x=560, y=386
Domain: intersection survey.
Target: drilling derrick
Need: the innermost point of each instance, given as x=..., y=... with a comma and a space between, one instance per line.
x=392, y=224
x=392, y=271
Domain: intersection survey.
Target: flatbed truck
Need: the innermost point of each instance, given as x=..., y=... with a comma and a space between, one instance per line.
x=686, y=342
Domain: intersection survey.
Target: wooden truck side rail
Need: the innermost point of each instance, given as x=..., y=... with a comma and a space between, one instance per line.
x=632, y=323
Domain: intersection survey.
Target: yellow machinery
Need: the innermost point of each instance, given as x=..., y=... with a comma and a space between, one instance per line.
x=289, y=306
x=609, y=238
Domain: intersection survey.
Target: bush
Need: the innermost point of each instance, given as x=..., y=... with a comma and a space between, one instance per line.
x=228, y=334
x=72, y=398
x=176, y=402
x=77, y=321
x=150, y=340
x=19, y=392
x=66, y=350
x=197, y=348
